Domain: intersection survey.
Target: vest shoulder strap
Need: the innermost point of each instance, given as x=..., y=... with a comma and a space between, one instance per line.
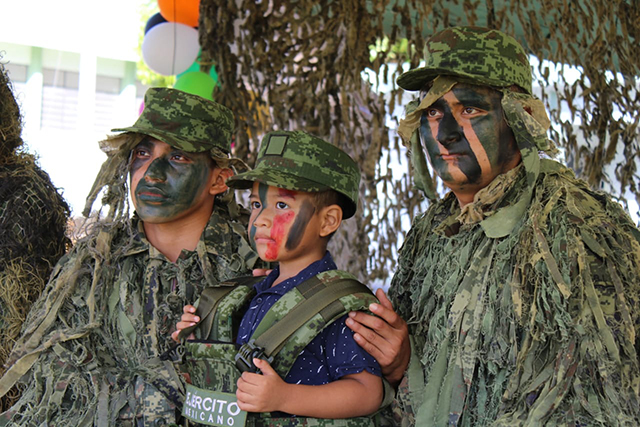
x=210, y=300
x=301, y=314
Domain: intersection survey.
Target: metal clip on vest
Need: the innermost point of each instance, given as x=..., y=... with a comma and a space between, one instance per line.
x=174, y=354
x=245, y=355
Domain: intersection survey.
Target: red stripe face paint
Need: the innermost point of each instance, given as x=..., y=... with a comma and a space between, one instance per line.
x=281, y=224
x=284, y=226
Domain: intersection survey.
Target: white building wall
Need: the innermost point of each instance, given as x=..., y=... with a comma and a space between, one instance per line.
x=72, y=63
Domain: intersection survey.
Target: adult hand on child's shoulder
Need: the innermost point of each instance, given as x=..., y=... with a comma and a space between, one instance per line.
x=384, y=336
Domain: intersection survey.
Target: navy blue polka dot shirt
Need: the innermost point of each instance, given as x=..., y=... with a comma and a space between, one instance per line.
x=332, y=354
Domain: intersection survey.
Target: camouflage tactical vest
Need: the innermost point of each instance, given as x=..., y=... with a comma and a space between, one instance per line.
x=215, y=363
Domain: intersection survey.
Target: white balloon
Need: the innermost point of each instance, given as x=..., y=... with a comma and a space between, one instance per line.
x=170, y=48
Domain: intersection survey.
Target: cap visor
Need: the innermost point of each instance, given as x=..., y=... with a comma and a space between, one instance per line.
x=274, y=178
x=167, y=137
x=416, y=79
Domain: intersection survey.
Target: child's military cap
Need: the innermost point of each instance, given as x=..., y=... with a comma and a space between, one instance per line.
x=303, y=162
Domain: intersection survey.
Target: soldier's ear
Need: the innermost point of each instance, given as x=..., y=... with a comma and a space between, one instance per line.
x=219, y=184
x=330, y=219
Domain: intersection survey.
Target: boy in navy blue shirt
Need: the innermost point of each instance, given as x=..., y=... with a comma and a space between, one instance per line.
x=302, y=189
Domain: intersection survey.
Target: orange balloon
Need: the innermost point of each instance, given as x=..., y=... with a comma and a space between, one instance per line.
x=183, y=11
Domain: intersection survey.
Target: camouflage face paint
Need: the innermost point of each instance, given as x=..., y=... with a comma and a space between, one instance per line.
x=272, y=222
x=300, y=225
x=278, y=231
x=167, y=183
x=262, y=197
x=467, y=139
x=283, y=226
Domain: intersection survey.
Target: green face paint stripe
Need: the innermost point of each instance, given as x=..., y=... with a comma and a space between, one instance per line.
x=493, y=140
x=307, y=210
x=486, y=135
x=262, y=196
x=157, y=168
x=178, y=186
x=134, y=162
x=469, y=165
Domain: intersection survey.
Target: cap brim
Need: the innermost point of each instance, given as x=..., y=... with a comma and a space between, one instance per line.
x=275, y=178
x=166, y=137
x=416, y=79
x=284, y=180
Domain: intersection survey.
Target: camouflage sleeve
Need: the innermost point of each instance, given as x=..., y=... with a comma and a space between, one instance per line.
x=578, y=362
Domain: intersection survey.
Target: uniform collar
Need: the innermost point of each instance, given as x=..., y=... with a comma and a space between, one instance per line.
x=496, y=207
x=216, y=233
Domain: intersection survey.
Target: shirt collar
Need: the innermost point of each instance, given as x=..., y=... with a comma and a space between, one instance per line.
x=313, y=269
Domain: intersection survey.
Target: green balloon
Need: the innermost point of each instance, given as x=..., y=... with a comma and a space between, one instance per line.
x=197, y=83
x=196, y=67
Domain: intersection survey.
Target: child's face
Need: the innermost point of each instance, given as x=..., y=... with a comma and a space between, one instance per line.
x=284, y=225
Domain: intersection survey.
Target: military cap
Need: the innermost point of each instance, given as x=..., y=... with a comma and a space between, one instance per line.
x=475, y=55
x=303, y=162
x=184, y=121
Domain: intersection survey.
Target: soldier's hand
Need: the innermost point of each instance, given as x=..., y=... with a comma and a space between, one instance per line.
x=188, y=318
x=260, y=272
x=386, y=337
x=261, y=392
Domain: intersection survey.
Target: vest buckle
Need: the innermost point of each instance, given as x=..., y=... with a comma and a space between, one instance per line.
x=245, y=355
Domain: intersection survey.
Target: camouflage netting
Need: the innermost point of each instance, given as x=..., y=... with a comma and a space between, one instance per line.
x=33, y=219
x=297, y=65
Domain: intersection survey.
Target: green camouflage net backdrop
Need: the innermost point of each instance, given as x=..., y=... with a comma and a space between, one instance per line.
x=297, y=65
x=33, y=220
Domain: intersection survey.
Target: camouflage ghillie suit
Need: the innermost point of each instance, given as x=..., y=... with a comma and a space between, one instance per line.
x=33, y=220
x=92, y=348
x=521, y=306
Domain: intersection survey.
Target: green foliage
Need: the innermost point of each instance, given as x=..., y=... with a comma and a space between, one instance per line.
x=394, y=52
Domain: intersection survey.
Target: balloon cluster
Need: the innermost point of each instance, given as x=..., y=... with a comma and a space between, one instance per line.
x=170, y=46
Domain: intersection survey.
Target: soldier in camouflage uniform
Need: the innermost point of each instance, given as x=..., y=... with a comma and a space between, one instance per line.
x=302, y=188
x=94, y=347
x=33, y=221
x=520, y=287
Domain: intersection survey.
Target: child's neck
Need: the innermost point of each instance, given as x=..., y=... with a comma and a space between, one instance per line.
x=291, y=268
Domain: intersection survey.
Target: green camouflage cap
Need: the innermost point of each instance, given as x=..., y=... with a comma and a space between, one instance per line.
x=475, y=55
x=302, y=162
x=185, y=121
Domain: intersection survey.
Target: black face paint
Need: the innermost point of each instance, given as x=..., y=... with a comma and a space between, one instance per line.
x=300, y=225
x=451, y=136
x=262, y=195
x=173, y=184
x=467, y=138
